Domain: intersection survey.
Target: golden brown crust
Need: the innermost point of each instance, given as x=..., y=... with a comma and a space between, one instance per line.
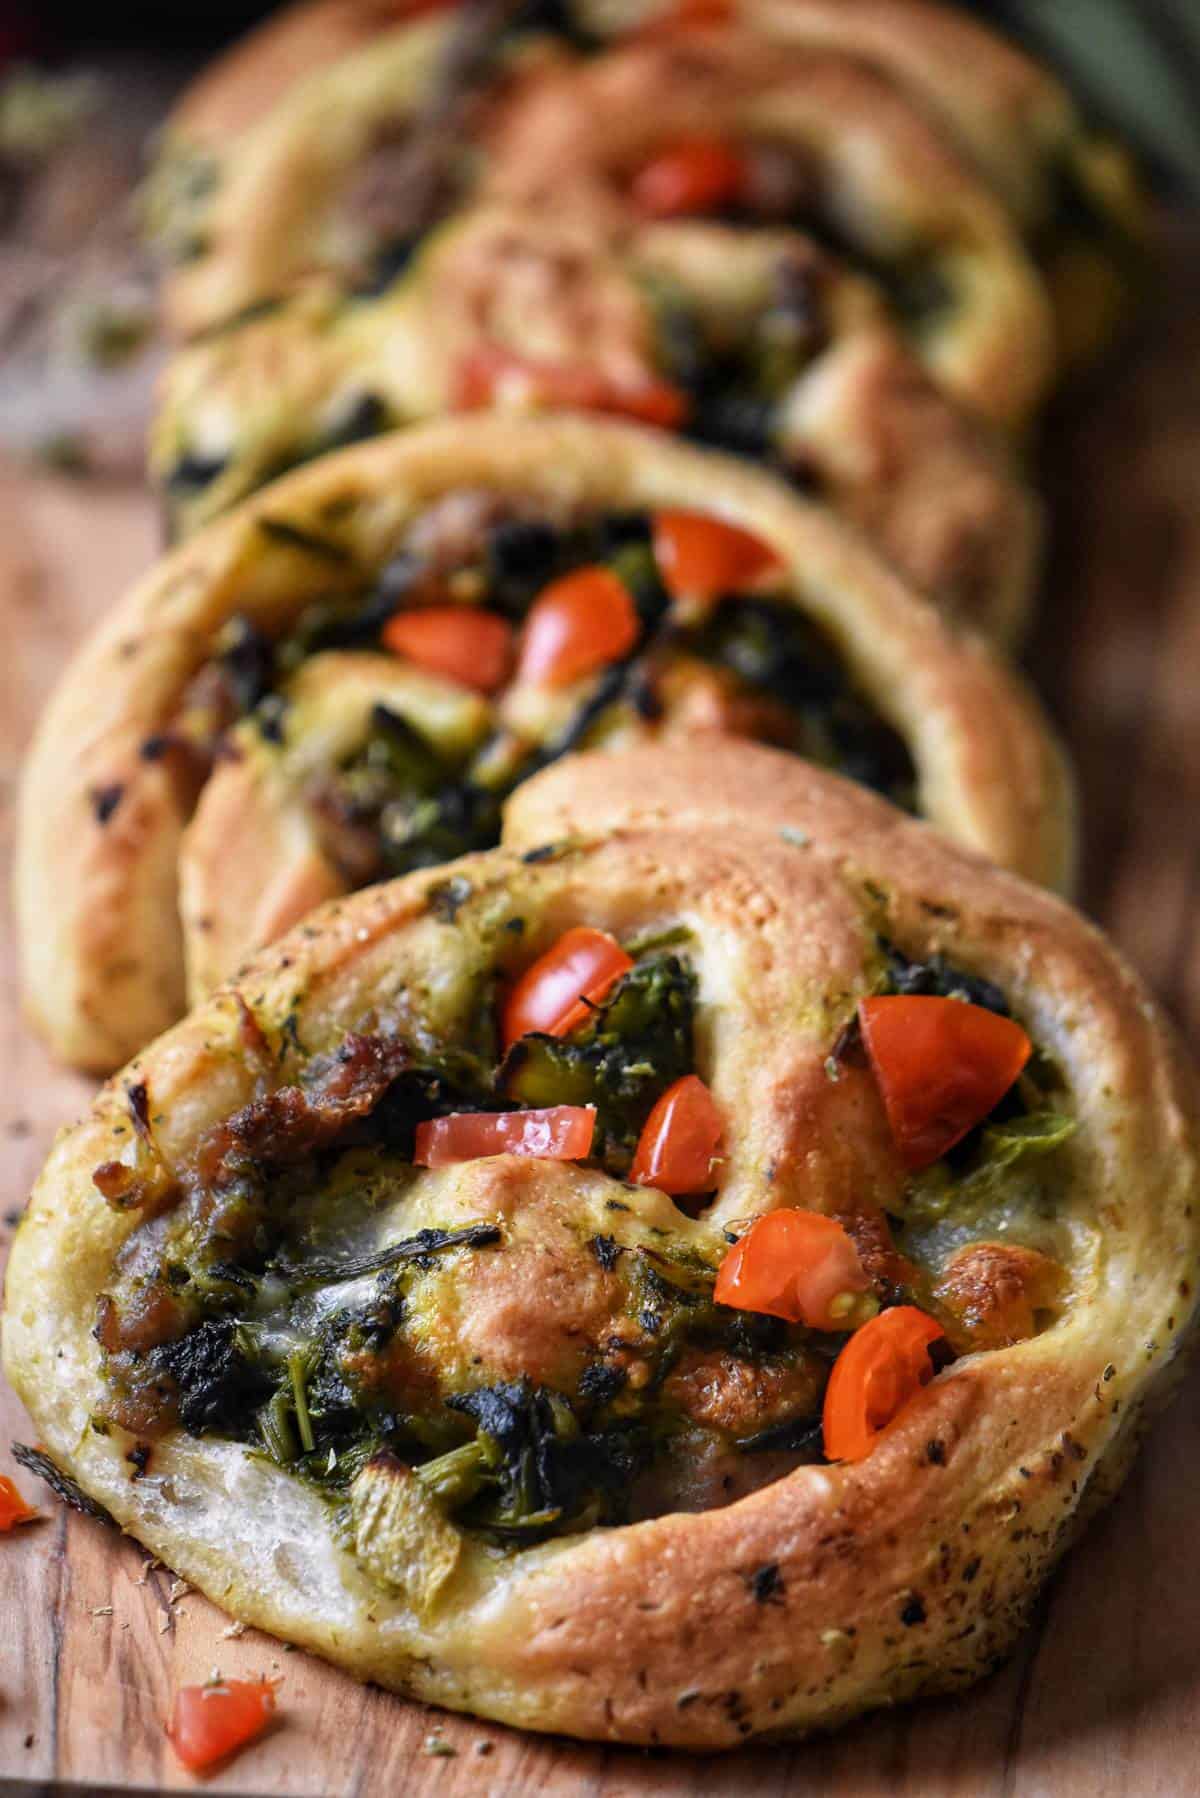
x=100, y=979
x=838, y=1587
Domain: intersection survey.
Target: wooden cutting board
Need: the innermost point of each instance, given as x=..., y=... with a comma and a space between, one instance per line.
x=1103, y=1696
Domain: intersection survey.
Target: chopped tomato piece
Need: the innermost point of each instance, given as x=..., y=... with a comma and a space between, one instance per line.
x=700, y=557
x=881, y=1367
x=699, y=174
x=941, y=1066
x=576, y=625
x=560, y=1133
x=563, y=985
x=490, y=374
x=209, y=1722
x=679, y=1140
x=799, y=1265
x=471, y=647
x=13, y=1509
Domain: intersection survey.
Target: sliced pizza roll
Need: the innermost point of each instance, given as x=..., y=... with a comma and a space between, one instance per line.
x=760, y=341
x=680, y=1283
x=347, y=676
x=688, y=123
x=251, y=137
x=721, y=122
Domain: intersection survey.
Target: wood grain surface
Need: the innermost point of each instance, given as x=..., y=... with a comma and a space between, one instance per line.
x=1103, y=1697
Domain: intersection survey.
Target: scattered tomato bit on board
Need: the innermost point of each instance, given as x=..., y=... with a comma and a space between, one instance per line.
x=212, y=1721
x=13, y=1508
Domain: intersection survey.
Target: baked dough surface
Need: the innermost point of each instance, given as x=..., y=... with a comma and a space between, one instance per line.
x=838, y=1587
x=102, y=819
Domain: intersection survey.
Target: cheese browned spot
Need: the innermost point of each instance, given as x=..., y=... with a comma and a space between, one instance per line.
x=994, y=1290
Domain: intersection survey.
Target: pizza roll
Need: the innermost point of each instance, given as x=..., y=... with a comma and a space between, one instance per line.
x=683, y=1282
x=347, y=676
x=251, y=136
x=760, y=341
x=721, y=122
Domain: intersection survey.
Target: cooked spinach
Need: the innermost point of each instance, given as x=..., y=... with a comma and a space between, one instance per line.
x=1010, y=1140
x=533, y=1467
x=190, y=473
x=351, y=621
x=967, y=1184
x=736, y=385
x=520, y=557
x=363, y=415
x=780, y=652
x=553, y=18
x=397, y=804
x=388, y=263
x=419, y=1248
x=215, y=1374
x=940, y=979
